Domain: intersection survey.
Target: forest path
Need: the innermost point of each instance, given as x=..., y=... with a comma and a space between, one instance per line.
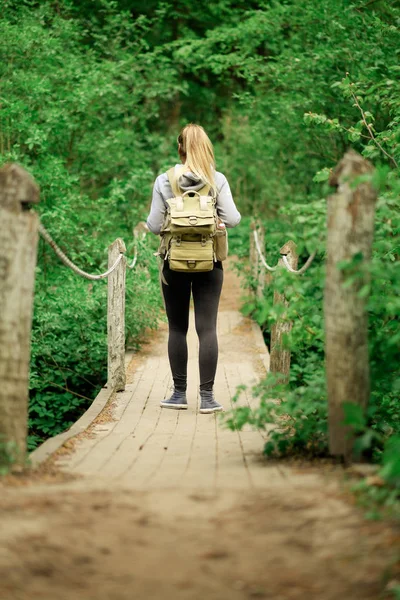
x=168, y=504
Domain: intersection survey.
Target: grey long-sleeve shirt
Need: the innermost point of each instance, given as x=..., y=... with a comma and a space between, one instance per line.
x=162, y=192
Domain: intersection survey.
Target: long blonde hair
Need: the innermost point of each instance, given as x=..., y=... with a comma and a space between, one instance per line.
x=197, y=150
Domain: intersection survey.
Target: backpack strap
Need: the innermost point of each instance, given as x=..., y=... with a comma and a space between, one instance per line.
x=173, y=176
x=205, y=190
x=173, y=181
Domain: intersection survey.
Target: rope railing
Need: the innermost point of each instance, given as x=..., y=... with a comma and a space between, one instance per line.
x=116, y=275
x=279, y=354
x=68, y=262
x=135, y=248
x=135, y=258
x=303, y=268
x=283, y=257
x=260, y=254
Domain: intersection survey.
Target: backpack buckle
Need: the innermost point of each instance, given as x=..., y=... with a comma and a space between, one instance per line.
x=203, y=241
x=178, y=241
x=191, y=264
x=193, y=220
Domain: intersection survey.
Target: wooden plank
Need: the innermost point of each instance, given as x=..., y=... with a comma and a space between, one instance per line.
x=106, y=446
x=84, y=446
x=232, y=470
x=120, y=464
x=171, y=470
x=251, y=441
x=176, y=460
x=200, y=467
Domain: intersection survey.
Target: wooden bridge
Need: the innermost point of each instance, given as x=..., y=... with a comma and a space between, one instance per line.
x=142, y=445
x=344, y=311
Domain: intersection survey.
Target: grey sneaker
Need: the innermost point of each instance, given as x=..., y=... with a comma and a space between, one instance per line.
x=177, y=401
x=208, y=403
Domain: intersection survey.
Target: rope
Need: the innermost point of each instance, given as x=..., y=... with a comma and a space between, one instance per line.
x=134, y=261
x=303, y=268
x=284, y=258
x=46, y=236
x=135, y=251
x=260, y=253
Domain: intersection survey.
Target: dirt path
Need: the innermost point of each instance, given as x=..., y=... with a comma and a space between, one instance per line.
x=168, y=504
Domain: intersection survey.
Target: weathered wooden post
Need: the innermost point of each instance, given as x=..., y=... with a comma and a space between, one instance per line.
x=18, y=249
x=254, y=258
x=258, y=271
x=116, y=318
x=351, y=214
x=280, y=357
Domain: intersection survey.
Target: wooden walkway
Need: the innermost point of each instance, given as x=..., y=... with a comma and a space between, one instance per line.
x=145, y=446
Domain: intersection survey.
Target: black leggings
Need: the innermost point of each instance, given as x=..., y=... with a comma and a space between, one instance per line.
x=206, y=289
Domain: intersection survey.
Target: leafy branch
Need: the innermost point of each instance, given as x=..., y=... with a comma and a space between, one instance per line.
x=369, y=128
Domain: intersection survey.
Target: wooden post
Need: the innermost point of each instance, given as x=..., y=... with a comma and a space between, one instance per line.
x=116, y=318
x=253, y=253
x=261, y=269
x=258, y=271
x=351, y=214
x=280, y=358
x=18, y=249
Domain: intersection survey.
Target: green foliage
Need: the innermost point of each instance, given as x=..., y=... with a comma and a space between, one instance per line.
x=377, y=501
x=8, y=456
x=391, y=461
x=70, y=115
x=69, y=345
x=238, y=240
x=395, y=592
x=69, y=352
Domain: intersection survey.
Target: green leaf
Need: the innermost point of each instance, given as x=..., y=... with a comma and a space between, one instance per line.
x=322, y=175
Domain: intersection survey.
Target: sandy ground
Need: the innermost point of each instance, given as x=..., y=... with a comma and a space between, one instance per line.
x=258, y=529
x=67, y=542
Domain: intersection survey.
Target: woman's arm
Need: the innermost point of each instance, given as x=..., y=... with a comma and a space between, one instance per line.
x=226, y=207
x=155, y=219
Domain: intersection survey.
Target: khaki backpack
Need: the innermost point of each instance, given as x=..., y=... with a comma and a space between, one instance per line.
x=190, y=237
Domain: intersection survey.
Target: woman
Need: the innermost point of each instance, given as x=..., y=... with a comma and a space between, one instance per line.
x=197, y=156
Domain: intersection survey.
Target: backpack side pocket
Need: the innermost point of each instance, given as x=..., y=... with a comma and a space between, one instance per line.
x=221, y=244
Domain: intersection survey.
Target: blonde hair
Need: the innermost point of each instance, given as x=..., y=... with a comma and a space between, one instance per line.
x=197, y=150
